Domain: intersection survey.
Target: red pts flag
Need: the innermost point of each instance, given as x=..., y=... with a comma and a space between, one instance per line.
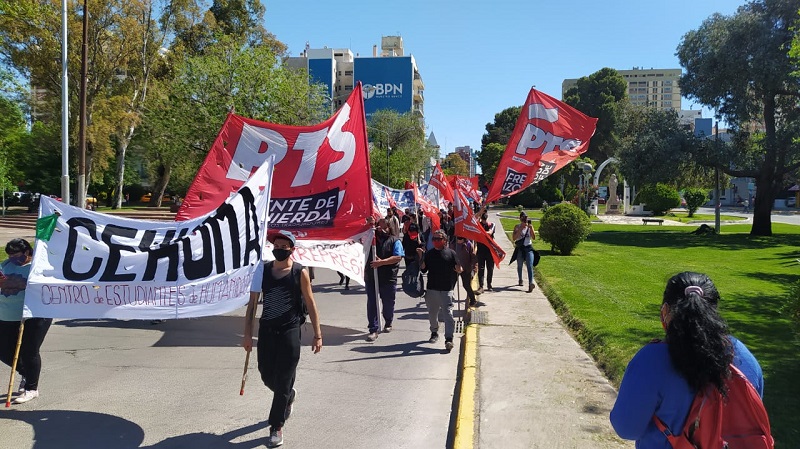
x=549, y=134
x=321, y=182
x=426, y=206
x=467, y=226
x=439, y=180
x=467, y=185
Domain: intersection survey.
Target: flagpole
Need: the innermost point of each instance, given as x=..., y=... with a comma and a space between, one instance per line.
x=375, y=281
x=14, y=364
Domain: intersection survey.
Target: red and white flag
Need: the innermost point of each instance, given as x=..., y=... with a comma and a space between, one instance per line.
x=468, y=185
x=426, y=206
x=549, y=134
x=467, y=226
x=439, y=180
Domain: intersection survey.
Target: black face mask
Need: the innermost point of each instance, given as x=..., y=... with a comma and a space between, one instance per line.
x=281, y=254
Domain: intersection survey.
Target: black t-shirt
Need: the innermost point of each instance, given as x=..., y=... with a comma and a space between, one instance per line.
x=279, y=302
x=440, y=266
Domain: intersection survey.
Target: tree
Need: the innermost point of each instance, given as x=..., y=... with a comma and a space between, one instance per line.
x=454, y=164
x=402, y=138
x=659, y=149
x=695, y=197
x=740, y=65
x=494, y=141
x=601, y=95
x=564, y=226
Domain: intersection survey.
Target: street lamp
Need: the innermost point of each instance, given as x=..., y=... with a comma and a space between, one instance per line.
x=585, y=177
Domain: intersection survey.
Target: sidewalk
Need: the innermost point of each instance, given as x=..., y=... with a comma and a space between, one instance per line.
x=536, y=388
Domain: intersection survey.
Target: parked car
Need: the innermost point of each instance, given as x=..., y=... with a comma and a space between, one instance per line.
x=791, y=201
x=147, y=196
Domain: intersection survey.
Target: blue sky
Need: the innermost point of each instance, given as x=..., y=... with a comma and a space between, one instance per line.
x=480, y=57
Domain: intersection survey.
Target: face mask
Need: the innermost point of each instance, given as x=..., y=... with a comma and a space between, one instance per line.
x=438, y=244
x=281, y=254
x=413, y=235
x=18, y=260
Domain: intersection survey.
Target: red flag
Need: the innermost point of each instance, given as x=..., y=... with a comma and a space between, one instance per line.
x=467, y=226
x=426, y=207
x=549, y=134
x=321, y=184
x=392, y=202
x=439, y=181
x=467, y=185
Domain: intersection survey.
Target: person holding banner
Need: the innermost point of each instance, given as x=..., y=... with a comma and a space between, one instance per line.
x=485, y=261
x=523, y=249
x=286, y=288
x=14, y=274
x=443, y=269
x=387, y=261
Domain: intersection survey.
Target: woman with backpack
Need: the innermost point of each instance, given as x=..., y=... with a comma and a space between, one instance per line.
x=663, y=378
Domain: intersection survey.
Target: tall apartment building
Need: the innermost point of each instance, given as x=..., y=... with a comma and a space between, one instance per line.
x=468, y=155
x=647, y=87
x=390, y=80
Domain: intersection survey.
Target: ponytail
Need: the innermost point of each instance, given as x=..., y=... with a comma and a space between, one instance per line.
x=697, y=337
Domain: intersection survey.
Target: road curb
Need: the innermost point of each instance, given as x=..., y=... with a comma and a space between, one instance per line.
x=465, y=415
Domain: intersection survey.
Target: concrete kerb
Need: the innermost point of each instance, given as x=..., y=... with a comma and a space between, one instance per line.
x=465, y=415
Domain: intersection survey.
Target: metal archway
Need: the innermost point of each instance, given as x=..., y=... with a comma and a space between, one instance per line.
x=600, y=169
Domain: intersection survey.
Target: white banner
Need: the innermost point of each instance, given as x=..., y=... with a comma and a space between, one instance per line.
x=101, y=266
x=348, y=257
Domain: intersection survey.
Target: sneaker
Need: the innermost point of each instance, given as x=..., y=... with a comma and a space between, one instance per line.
x=489, y=289
x=275, y=437
x=27, y=396
x=434, y=337
x=448, y=345
x=531, y=286
x=372, y=336
x=388, y=328
x=520, y=283
x=21, y=385
x=289, y=405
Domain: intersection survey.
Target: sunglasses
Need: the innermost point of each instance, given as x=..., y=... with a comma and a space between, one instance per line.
x=438, y=238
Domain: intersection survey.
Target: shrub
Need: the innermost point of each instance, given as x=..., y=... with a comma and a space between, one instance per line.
x=659, y=198
x=564, y=226
x=694, y=199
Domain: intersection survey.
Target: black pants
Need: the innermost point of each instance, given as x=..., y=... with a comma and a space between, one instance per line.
x=29, y=364
x=278, y=355
x=485, y=264
x=466, y=280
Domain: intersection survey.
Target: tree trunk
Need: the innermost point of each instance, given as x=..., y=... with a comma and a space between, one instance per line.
x=160, y=186
x=762, y=213
x=122, y=148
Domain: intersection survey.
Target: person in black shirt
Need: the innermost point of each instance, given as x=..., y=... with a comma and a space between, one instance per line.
x=485, y=260
x=390, y=253
x=279, y=327
x=443, y=269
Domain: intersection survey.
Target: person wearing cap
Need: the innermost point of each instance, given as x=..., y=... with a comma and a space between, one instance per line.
x=390, y=252
x=443, y=269
x=286, y=287
x=14, y=273
x=485, y=260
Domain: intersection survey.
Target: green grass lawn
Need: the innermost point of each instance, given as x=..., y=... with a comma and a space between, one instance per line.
x=609, y=293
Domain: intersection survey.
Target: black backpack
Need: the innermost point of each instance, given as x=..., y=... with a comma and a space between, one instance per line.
x=297, y=292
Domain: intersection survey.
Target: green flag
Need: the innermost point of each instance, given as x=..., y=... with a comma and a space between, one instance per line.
x=45, y=227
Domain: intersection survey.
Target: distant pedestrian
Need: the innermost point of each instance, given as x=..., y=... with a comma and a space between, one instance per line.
x=344, y=280
x=286, y=288
x=443, y=269
x=745, y=206
x=14, y=273
x=523, y=249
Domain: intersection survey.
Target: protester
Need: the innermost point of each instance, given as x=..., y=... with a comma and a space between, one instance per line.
x=443, y=269
x=389, y=254
x=286, y=288
x=393, y=222
x=465, y=255
x=485, y=260
x=662, y=378
x=523, y=249
x=14, y=273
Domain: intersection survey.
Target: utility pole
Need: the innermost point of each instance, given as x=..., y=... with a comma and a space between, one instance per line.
x=64, y=107
x=718, y=204
x=81, y=199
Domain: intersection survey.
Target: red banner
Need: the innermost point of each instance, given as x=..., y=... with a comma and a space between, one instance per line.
x=549, y=134
x=439, y=180
x=321, y=184
x=467, y=226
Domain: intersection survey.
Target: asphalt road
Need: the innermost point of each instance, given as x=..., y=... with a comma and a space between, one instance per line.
x=133, y=384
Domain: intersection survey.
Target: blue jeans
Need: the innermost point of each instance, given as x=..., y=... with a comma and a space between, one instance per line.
x=387, y=293
x=526, y=257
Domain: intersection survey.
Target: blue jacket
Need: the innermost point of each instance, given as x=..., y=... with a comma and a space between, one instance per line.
x=652, y=386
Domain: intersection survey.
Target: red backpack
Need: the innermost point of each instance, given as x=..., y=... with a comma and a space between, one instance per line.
x=738, y=421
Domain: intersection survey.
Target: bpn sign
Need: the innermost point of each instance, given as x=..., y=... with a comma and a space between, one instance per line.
x=382, y=90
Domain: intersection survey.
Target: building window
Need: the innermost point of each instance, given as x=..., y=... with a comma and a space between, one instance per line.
x=348, y=87
x=348, y=73
x=668, y=83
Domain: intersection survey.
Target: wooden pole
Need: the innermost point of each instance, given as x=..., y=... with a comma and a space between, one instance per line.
x=14, y=364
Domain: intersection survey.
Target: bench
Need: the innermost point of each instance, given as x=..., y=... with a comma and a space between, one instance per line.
x=660, y=221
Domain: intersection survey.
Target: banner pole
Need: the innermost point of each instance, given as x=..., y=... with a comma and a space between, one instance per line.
x=14, y=364
x=375, y=281
x=244, y=374
x=250, y=317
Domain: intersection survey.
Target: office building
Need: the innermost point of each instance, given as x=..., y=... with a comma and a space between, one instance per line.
x=647, y=87
x=390, y=79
